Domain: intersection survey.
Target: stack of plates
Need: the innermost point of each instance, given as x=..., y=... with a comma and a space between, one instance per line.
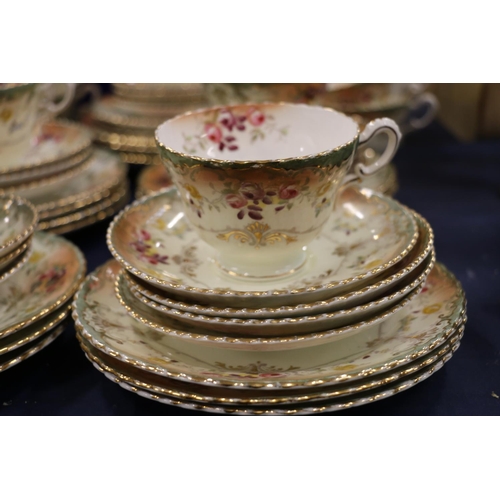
x=369, y=315
x=125, y=121
x=36, y=286
x=71, y=183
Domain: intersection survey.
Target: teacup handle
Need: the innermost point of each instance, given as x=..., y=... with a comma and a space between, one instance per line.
x=372, y=129
x=53, y=108
x=431, y=104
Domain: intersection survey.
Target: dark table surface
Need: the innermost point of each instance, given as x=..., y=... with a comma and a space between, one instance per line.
x=456, y=186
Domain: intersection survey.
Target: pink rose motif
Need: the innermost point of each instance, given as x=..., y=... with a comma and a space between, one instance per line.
x=236, y=200
x=288, y=192
x=213, y=132
x=252, y=191
x=256, y=117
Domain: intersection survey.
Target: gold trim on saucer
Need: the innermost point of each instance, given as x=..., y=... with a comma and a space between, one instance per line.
x=12, y=361
x=17, y=263
x=92, y=219
x=84, y=145
x=298, y=409
x=78, y=280
x=168, y=387
x=10, y=245
x=17, y=340
x=89, y=210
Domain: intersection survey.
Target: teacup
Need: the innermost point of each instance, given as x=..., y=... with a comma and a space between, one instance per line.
x=259, y=181
x=23, y=107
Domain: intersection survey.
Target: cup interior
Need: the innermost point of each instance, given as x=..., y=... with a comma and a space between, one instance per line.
x=257, y=132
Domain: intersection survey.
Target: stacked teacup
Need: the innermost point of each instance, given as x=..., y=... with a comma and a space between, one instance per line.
x=52, y=163
x=126, y=120
x=266, y=281
x=39, y=274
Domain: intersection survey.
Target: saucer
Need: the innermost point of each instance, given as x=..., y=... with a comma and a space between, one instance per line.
x=367, y=235
x=49, y=278
x=381, y=284
x=18, y=219
x=15, y=357
x=81, y=219
x=14, y=261
x=60, y=146
x=268, y=330
x=421, y=326
x=116, y=196
x=35, y=330
x=122, y=373
x=104, y=173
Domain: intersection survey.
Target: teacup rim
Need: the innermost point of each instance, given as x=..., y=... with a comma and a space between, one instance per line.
x=224, y=162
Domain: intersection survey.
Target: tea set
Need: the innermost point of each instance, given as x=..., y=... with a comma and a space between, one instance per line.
x=264, y=268
x=53, y=163
x=264, y=279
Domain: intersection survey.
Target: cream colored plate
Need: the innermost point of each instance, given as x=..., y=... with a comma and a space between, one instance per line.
x=60, y=146
x=384, y=283
x=268, y=330
x=51, y=276
x=116, y=196
x=90, y=220
x=367, y=235
x=18, y=219
x=22, y=254
x=15, y=357
x=104, y=173
x=34, y=330
x=424, y=324
x=323, y=406
x=163, y=386
x=152, y=179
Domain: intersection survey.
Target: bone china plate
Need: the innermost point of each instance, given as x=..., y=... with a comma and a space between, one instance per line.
x=49, y=278
x=422, y=325
x=18, y=219
x=366, y=235
x=383, y=283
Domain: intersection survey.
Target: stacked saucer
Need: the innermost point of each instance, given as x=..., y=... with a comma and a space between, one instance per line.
x=126, y=120
x=36, y=287
x=163, y=322
x=71, y=183
x=261, y=286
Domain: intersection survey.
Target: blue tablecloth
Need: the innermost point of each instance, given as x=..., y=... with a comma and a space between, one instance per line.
x=456, y=186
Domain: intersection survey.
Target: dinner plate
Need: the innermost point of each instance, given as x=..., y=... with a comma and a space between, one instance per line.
x=423, y=324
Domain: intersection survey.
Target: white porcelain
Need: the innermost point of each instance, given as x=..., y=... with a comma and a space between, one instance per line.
x=258, y=182
x=421, y=326
x=22, y=107
x=364, y=237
